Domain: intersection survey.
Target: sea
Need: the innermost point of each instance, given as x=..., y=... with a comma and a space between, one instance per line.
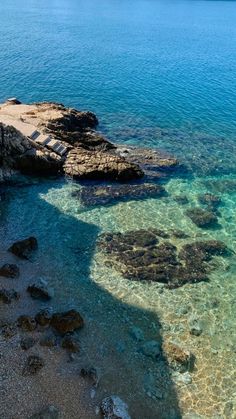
x=159, y=74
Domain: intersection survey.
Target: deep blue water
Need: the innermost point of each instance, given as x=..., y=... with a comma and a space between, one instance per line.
x=136, y=63
x=161, y=74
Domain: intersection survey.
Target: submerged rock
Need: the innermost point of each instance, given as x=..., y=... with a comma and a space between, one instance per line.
x=43, y=317
x=24, y=248
x=152, y=349
x=50, y=412
x=8, y=330
x=33, y=365
x=27, y=343
x=26, y=323
x=49, y=340
x=178, y=358
x=212, y=201
x=67, y=321
x=114, y=408
x=40, y=290
x=105, y=195
x=8, y=296
x=70, y=343
x=202, y=218
x=143, y=255
x=90, y=373
x=9, y=270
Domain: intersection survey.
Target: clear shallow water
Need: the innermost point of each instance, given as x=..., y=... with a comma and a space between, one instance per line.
x=159, y=74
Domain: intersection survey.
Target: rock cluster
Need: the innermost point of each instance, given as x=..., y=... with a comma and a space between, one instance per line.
x=144, y=255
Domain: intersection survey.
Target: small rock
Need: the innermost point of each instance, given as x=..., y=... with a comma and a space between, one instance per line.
x=50, y=412
x=90, y=373
x=178, y=358
x=49, y=340
x=67, y=321
x=40, y=290
x=27, y=343
x=70, y=343
x=7, y=296
x=33, y=364
x=23, y=248
x=137, y=334
x=43, y=317
x=114, y=408
x=152, y=349
x=26, y=323
x=9, y=271
x=195, y=327
x=8, y=330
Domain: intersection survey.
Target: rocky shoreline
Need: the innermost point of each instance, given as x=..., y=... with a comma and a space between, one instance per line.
x=46, y=139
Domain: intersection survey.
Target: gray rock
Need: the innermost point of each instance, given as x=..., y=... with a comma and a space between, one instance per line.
x=113, y=407
x=152, y=349
x=50, y=412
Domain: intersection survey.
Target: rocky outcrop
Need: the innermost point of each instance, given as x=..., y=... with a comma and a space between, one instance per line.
x=84, y=164
x=49, y=139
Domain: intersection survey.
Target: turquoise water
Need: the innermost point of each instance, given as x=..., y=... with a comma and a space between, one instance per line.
x=159, y=74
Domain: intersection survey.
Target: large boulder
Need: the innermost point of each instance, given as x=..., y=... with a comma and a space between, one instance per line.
x=67, y=321
x=23, y=248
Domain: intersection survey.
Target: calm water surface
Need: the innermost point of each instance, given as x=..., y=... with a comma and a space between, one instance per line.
x=159, y=74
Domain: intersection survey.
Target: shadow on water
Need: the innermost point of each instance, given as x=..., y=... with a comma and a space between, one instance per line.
x=66, y=251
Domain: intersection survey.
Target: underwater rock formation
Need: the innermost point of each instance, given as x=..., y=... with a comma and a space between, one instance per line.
x=145, y=256
x=202, y=218
x=110, y=194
